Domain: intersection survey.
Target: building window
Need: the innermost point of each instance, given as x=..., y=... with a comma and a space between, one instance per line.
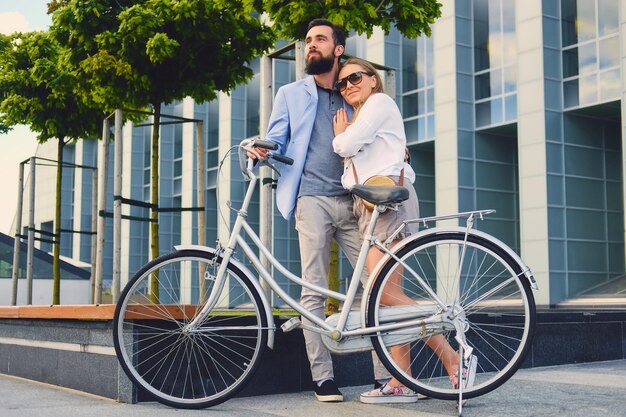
x=591, y=54
x=418, y=89
x=495, y=74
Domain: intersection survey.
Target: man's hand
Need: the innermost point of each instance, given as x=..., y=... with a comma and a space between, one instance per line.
x=261, y=153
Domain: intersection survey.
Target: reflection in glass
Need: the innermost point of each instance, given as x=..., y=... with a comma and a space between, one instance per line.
x=588, y=92
x=418, y=91
x=609, y=52
x=430, y=100
x=568, y=22
x=483, y=114
x=570, y=93
x=497, y=115
x=409, y=64
x=481, y=35
x=421, y=129
x=595, y=55
x=495, y=54
x=421, y=65
x=430, y=61
x=570, y=62
x=410, y=129
x=610, y=84
x=496, y=82
x=431, y=126
x=482, y=86
x=586, y=19
x=510, y=79
x=608, y=17
x=510, y=108
x=587, y=58
x=410, y=106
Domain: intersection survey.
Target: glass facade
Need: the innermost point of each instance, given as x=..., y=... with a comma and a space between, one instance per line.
x=418, y=89
x=495, y=62
x=591, y=52
x=579, y=187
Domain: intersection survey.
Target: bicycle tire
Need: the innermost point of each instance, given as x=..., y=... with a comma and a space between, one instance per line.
x=494, y=295
x=175, y=367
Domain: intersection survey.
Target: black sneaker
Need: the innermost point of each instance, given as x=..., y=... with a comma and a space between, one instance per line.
x=328, y=392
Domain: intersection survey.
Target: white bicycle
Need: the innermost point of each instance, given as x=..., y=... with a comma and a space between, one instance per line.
x=191, y=326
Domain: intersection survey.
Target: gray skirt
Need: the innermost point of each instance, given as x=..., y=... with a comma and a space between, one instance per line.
x=390, y=220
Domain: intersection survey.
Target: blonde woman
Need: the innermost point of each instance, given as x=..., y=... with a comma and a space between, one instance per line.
x=374, y=143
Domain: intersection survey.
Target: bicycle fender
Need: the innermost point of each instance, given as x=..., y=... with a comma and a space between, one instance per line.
x=439, y=230
x=255, y=282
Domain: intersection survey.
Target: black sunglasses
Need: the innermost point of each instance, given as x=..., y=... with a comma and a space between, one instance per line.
x=355, y=79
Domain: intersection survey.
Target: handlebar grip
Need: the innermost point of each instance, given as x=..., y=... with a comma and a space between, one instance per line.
x=281, y=158
x=265, y=144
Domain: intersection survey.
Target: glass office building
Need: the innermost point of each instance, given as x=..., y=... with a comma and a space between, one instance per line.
x=510, y=105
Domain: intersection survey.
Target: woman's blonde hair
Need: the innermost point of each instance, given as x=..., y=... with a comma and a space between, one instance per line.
x=368, y=68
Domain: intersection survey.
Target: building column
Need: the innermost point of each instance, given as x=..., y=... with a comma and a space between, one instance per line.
x=533, y=199
x=224, y=181
x=127, y=164
x=622, y=37
x=446, y=124
x=77, y=208
x=187, y=231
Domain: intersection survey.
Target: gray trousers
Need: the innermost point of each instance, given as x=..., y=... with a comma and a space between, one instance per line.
x=318, y=220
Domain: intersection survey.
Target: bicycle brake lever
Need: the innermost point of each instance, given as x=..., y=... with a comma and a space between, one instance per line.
x=264, y=162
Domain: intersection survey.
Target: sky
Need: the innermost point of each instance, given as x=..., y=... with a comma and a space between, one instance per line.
x=20, y=143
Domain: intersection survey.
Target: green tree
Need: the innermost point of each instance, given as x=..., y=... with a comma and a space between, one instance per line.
x=142, y=53
x=36, y=91
x=411, y=17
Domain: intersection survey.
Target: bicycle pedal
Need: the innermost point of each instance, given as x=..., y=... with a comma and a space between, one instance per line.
x=291, y=324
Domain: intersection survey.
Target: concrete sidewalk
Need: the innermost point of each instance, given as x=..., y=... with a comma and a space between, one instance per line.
x=590, y=389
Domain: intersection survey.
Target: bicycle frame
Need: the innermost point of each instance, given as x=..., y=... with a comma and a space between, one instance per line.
x=320, y=326
x=338, y=331
x=480, y=299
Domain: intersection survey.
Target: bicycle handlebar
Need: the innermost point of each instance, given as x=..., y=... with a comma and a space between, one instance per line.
x=246, y=162
x=265, y=144
x=281, y=158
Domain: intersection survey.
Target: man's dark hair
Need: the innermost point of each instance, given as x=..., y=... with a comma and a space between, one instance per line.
x=339, y=36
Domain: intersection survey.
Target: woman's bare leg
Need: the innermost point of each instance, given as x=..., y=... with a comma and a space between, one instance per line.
x=393, y=294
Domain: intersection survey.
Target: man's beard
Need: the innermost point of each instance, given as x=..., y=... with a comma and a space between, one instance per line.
x=321, y=65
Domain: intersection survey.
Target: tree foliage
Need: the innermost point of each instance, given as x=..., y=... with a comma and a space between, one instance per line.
x=411, y=17
x=134, y=53
x=37, y=91
x=131, y=54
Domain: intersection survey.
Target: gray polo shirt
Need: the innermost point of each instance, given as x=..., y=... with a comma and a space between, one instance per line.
x=323, y=167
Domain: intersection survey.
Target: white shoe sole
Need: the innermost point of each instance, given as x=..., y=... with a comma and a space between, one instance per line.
x=388, y=399
x=329, y=398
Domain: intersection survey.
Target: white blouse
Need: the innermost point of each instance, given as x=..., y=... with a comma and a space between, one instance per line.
x=375, y=142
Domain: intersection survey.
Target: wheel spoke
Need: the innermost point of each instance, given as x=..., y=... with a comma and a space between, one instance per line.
x=182, y=368
x=486, y=295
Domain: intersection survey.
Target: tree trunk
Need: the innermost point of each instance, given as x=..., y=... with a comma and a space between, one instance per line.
x=154, y=200
x=56, y=267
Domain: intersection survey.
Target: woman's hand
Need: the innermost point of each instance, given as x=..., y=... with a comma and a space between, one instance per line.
x=340, y=121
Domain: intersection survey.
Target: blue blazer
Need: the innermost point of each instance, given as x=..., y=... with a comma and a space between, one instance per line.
x=290, y=126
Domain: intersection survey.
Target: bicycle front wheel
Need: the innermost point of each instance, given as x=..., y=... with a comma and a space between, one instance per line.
x=478, y=281
x=189, y=368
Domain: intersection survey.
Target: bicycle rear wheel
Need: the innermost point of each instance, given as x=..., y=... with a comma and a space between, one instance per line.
x=475, y=278
x=177, y=367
